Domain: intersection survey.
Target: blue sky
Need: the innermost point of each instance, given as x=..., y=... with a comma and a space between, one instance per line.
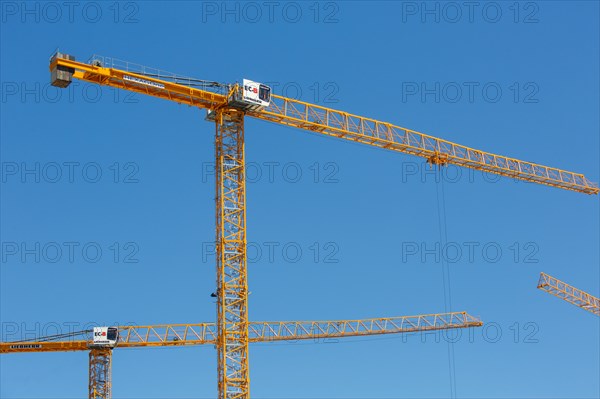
x=356, y=234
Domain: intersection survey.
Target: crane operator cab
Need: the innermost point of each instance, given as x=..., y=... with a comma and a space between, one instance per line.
x=251, y=96
x=106, y=337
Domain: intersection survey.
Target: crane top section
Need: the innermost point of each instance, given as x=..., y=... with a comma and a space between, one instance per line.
x=257, y=101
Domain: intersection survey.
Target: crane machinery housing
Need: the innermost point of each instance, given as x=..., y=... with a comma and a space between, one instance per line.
x=228, y=105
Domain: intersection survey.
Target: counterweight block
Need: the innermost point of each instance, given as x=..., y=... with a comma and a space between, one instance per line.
x=61, y=76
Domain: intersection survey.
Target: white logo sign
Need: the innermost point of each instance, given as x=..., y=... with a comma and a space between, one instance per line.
x=143, y=81
x=256, y=93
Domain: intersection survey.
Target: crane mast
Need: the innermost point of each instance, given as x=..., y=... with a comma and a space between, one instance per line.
x=232, y=284
x=100, y=377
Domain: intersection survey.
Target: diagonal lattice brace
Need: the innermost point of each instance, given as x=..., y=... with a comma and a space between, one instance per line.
x=569, y=293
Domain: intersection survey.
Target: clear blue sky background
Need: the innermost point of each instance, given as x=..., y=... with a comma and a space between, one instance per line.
x=364, y=59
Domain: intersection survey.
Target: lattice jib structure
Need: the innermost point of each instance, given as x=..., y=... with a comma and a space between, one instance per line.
x=569, y=293
x=326, y=121
x=258, y=331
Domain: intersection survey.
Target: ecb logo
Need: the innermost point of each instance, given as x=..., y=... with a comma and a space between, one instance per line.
x=251, y=89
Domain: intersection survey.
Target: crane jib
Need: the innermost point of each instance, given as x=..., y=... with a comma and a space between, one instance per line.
x=256, y=100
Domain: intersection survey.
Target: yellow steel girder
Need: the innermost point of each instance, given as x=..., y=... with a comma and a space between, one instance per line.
x=258, y=331
x=335, y=123
x=100, y=373
x=567, y=292
x=231, y=265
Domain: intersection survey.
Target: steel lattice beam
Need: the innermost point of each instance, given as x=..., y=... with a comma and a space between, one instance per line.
x=258, y=331
x=569, y=293
x=232, y=286
x=334, y=123
x=100, y=381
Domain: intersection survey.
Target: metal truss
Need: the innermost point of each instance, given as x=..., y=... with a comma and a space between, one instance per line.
x=334, y=123
x=385, y=135
x=100, y=380
x=569, y=293
x=261, y=331
x=232, y=285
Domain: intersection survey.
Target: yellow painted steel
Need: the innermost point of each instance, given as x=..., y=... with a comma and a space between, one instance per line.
x=343, y=125
x=46, y=346
x=385, y=135
x=569, y=293
x=119, y=79
x=232, y=327
x=100, y=359
x=100, y=377
x=260, y=331
x=231, y=243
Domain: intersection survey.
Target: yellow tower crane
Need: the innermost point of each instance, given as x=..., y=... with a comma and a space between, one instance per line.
x=227, y=106
x=567, y=292
x=177, y=335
